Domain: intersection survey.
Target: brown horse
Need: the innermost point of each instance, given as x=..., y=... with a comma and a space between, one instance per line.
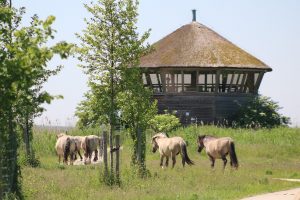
x=218, y=148
x=170, y=147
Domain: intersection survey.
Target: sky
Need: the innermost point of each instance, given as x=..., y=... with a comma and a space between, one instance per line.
x=268, y=29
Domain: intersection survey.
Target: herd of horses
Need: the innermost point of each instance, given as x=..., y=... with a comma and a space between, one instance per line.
x=168, y=147
x=69, y=146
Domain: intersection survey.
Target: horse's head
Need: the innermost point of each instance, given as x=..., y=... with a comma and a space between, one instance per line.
x=154, y=144
x=200, y=142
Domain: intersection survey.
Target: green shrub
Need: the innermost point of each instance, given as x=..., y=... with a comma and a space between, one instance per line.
x=164, y=123
x=261, y=112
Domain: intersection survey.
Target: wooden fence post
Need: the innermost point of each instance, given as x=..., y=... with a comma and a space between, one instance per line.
x=104, y=135
x=118, y=159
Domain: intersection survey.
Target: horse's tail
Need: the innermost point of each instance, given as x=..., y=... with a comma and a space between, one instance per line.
x=233, y=157
x=87, y=146
x=67, y=149
x=185, y=155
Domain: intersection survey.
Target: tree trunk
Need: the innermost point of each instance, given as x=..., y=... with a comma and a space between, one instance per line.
x=139, y=146
x=118, y=159
x=111, y=153
x=105, y=153
x=9, y=167
x=27, y=138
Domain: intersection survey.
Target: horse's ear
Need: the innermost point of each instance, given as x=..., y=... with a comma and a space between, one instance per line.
x=200, y=137
x=154, y=137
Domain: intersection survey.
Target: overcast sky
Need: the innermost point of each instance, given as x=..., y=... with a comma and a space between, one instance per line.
x=268, y=29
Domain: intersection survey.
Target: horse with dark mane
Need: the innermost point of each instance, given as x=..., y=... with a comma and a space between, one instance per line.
x=218, y=148
x=170, y=147
x=65, y=146
x=79, y=140
x=91, y=144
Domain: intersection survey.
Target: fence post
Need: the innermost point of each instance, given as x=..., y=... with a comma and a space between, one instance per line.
x=104, y=135
x=118, y=159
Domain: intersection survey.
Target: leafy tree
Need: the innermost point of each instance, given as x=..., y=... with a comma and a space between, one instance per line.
x=110, y=48
x=260, y=112
x=164, y=123
x=137, y=111
x=23, y=70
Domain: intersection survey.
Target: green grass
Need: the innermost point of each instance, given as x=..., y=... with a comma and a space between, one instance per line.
x=263, y=155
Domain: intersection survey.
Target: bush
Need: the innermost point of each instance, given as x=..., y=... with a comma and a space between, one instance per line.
x=164, y=123
x=261, y=112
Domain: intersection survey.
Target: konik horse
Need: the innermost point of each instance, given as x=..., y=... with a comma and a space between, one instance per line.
x=170, y=147
x=218, y=148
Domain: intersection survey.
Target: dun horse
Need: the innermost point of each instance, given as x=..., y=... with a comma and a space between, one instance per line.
x=90, y=145
x=218, y=148
x=170, y=147
x=65, y=146
x=79, y=140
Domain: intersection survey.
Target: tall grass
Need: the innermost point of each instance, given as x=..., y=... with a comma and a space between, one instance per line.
x=263, y=155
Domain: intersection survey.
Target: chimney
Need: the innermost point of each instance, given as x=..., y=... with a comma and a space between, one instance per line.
x=194, y=15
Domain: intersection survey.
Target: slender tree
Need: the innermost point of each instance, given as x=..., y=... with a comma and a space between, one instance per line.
x=137, y=111
x=23, y=69
x=110, y=48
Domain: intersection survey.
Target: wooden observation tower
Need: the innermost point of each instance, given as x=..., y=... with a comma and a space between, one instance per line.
x=200, y=75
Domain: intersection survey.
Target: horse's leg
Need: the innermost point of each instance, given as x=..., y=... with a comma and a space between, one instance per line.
x=72, y=156
x=224, y=161
x=96, y=155
x=90, y=156
x=174, y=160
x=79, y=155
x=161, y=161
x=59, y=159
x=167, y=161
x=212, y=160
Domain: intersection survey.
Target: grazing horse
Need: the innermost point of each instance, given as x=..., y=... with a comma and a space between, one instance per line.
x=65, y=146
x=218, y=148
x=170, y=147
x=90, y=144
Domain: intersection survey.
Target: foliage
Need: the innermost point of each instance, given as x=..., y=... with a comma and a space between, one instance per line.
x=110, y=52
x=164, y=123
x=23, y=69
x=260, y=112
x=137, y=111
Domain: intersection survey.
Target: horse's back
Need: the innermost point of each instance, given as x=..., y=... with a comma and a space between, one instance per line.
x=218, y=147
x=172, y=145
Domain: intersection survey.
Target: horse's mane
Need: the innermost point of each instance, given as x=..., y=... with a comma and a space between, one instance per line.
x=162, y=135
x=201, y=137
x=60, y=135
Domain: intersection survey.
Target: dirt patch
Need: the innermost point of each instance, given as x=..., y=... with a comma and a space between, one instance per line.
x=293, y=194
x=81, y=162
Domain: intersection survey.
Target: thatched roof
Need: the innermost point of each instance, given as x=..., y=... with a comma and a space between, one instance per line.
x=195, y=45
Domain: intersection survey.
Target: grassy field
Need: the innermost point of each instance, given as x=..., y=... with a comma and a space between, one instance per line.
x=263, y=155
